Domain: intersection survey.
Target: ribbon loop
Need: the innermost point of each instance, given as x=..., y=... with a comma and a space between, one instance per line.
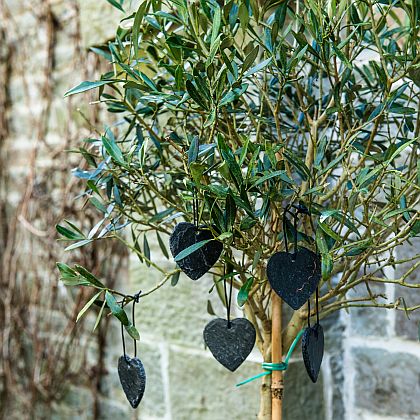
x=270, y=367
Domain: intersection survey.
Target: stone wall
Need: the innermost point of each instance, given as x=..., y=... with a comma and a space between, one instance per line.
x=371, y=368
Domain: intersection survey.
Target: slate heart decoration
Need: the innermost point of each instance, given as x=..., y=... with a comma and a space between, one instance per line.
x=230, y=346
x=313, y=350
x=132, y=378
x=294, y=277
x=200, y=261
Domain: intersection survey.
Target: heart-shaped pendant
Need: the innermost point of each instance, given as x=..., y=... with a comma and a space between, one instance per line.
x=294, y=277
x=200, y=261
x=132, y=378
x=230, y=346
x=313, y=350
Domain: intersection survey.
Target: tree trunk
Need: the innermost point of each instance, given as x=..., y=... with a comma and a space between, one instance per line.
x=276, y=357
x=265, y=399
x=271, y=391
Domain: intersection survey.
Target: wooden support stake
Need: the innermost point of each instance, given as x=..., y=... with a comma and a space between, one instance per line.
x=276, y=357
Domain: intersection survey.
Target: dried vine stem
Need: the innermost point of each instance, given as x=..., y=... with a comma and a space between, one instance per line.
x=36, y=315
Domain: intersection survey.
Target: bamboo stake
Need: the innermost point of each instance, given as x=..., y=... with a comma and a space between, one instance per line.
x=276, y=357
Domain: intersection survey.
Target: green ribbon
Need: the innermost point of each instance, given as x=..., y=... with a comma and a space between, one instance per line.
x=270, y=367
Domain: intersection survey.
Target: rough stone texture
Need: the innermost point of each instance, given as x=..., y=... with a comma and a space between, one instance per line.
x=75, y=405
x=365, y=321
x=333, y=364
x=98, y=22
x=294, y=276
x=407, y=327
x=303, y=399
x=200, y=261
x=181, y=315
x=200, y=388
x=132, y=378
x=387, y=383
x=313, y=350
x=230, y=345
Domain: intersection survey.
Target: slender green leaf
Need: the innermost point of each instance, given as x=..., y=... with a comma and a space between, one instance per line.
x=116, y=309
x=397, y=212
x=258, y=67
x=196, y=97
x=99, y=317
x=192, y=248
x=175, y=278
x=68, y=233
x=132, y=330
x=66, y=271
x=244, y=291
x=113, y=150
x=116, y=4
x=193, y=150
x=87, y=85
x=277, y=174
x=210, y=309
x=250, y=58
x=78, y=244
x=89, y=276
x=162, y=245
x=88, y=305
x=217, y=19
x=326, y=266
x=146, y=249
x=136, y=25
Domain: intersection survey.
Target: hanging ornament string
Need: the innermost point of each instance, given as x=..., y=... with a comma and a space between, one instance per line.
x=228, y=297
x=317, y=305
x=295, y=235
x=286, y=242
x=309, y=312
x=135, y=298
x=123, y=343
x=303, y=210
x=195, y=204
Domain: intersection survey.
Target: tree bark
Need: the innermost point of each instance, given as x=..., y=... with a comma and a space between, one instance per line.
x=265, y=390
x=276, y=357
x=265, y=399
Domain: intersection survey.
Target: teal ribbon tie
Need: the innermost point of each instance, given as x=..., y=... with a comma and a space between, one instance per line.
x=270, y=367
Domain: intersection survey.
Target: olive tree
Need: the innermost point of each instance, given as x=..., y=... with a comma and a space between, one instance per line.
x=232, y=111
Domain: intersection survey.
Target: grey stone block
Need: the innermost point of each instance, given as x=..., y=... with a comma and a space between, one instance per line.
x=93, y=14
x=407, y=327
x=337, y=375
x=177, y=314
x=77, y=403
x=334, y=329
x=368, y=321
x=111, y=410
x=200, y=388
x=387, y=383
x=303, y=399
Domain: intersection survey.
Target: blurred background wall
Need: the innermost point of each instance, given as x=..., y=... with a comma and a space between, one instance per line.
x=51, y=368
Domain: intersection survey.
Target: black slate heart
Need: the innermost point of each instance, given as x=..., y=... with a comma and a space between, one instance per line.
x=294, y=277
x=200, y=261
x=230, y=346
x=132, y=378
x=313, y=350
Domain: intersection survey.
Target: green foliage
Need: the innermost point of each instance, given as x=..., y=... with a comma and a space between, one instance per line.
x=251, y=107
